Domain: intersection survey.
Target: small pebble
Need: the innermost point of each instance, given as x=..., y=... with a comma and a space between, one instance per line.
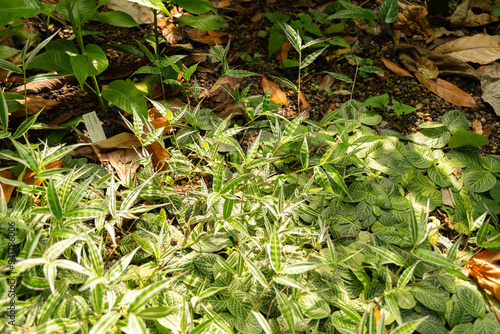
x=483, y=120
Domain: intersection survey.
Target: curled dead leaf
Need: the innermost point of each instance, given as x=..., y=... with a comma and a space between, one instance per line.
x=304, y=105
x=473, y=13
x=277, y=95
x=483, y=270
x=448, y=91
x=282, y=52
x=208, y=37
x=477, y=127
x=427, y=68
x=123, y=162
x=413, y=20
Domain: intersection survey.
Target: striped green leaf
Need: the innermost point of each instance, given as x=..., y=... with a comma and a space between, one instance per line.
x=203, y=327
x=228, y=208
x=105, y=323
x=335, y=175
x=291, y=127
x=52, y=303
x=388, y=255
x=119, y=267
x=50, y=273
x=409, y=327
x=53, y=252
x=300, y=268
x=262, y=322
x=252, y=150
x=25, y=126
x=95, y=256
x=153, y=313
x=76, y=195
x=54, y=202
x=292, y=36
x=304, y=154
x=85, y=213
x=218, y=176
x=255, y=271
x=393, y=307
x=274, y=251
x=286, y=309
x=433, y=258
x=231, y=184
x=406, y=275
x=28, y=157
x=312, y=57
x=97, y=292
x=147, y=294
x=322, y=179
x=51, y=326
x=136, y=324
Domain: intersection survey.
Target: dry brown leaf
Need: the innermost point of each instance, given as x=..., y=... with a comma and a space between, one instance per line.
x=282, y=52
x=413, y=20
x=427, y=68
x=123, y=162
x=29, y=177
x=457, y=171
x=477, y=127
x=140, y=13
x=35, y=104
x=484, y=272
x=120, y=141
x=490, y=86
x=36, y=87
x=221, y=3
x=304, y=105
x=7, y=188
x=327, y=81
x=480, y=48
x=277, y=95
x=448, y=91
x=210, y=37
x=396, y=69
x=487, y=131
x=473, y=13
x=159, y=155
x=219, y=94
x=447, y=197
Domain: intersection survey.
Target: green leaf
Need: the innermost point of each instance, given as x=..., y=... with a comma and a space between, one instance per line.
x=353, y=12
x=276, y=17
x=313, y=306
x=370, y=118
x=490, y=163
x=262, y=322
x=479, y=181
x=119, y=267
x=9, y=66
x=341, y=77
x=463, y=138
x=393, y=307
x=85, y=213
x=58, y=61
x=335, y=175
x=276, y=38
x=147, y=294
x=4, y=112
x=255, y=271
x=292, y=35
x=455, y=120
x=388, y=11
x=312, y=57
x=388, y=255
x=54, y=202
x=38, y=48
x=322, y=178
x=300, y=268
x=240, y=73
x=401, y=108
x=286, y=309
x=25, y=126
x=471, y=301
x=433, y=258
x=13, y=10
x=409, y=327
x=28, y=156
x=153, y=313
x=274, y=251
x=304, y=154
x=126, y=96
x=155, y=4
x=407, y=275
x=118, y=19
x=207, y=22
x=195, y=6
x=52, y=303
x=105, y=323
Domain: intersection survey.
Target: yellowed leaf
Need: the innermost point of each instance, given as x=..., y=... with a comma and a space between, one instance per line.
x=448, y=91
x=159, y=155
x=304, y=105
x=396, y=69
x=427, y=68
x=480, y=48
x=277, y=95
x=282, y=52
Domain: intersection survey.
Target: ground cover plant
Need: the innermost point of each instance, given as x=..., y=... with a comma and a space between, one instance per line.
x=193, y=221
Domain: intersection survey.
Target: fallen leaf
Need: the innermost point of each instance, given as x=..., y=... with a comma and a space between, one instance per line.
x=487, y=131
x=472, y=13
x=167, y=28
x=282, y=52
x=427, y=68
x=219, y=94
x=304, y=105
x=63, y=117
x=36, y=87
x=124, y=70
x=448, y=91
x=35, y=104
x=413, y=20
x=396, y=69
x=326, y=82
x=457, y=171
x=120, y=141
x=159, y=155
x=277, y=95
x=221, y=3
x=484, y=272
x=477, y=127
x=480, y=48
x=123, y=162
x=141, y=14
x=7, y=189
x=490, y=86
x=29, y=177
x=208, y=37
x=447, y=65
x=447, y=197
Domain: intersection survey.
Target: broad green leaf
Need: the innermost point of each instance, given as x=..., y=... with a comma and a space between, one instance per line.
x=471, y=301
x=13, y=10
x=354, y=12
x=370, y=118
x=313, y=306
x=126, y=96
x=388, y=11
x=118, y=19
x=58, y=61
x=207, y=22
x=455, y=120
x=465, y=138
x=491, y=163
x=479, y=181
x=433, y=258
x=195, y=6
